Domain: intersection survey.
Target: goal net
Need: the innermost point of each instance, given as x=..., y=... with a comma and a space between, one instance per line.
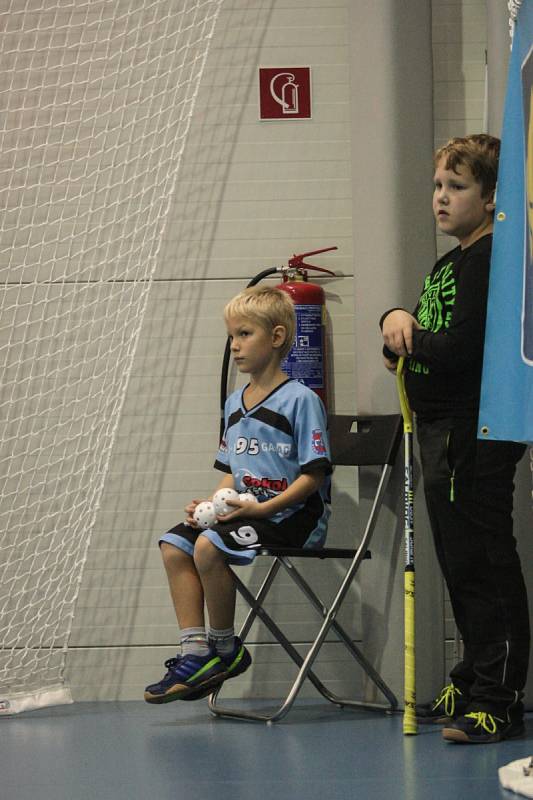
x=96, y=100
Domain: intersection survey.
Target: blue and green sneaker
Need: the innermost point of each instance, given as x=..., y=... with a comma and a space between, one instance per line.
x=238, y=660
x=187, y=675
x=235, y=664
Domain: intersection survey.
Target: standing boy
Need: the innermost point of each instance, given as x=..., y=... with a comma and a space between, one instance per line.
x=274, y=446
x=468, y=483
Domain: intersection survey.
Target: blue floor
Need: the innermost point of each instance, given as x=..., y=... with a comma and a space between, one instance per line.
x=131, y=750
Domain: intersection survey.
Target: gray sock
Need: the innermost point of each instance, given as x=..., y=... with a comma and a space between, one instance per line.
x=223, y=642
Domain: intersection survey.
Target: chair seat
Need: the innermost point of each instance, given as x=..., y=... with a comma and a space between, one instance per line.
x=300, y=552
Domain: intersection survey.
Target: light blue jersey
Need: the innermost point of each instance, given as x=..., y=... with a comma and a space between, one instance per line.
x=268, y=446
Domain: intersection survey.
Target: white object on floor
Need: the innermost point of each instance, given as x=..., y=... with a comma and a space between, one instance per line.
x=18, y=703
x=517, y=776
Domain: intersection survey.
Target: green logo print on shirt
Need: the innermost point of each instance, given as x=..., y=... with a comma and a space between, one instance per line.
x=435, y=306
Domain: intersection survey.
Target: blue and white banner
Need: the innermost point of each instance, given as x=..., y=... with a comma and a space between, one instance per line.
x=506, y=410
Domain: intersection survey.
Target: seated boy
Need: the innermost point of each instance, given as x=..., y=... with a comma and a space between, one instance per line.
x=275, y=446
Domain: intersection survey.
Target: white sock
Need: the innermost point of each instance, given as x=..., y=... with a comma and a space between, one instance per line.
x=194, y=642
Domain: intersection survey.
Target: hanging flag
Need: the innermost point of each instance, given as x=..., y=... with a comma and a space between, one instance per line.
x=506, y=410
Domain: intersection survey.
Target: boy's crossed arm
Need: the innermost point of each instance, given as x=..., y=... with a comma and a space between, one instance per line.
x=299, y=490
x=305, y=485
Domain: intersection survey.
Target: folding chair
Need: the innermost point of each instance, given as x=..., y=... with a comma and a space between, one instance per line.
x=355, y=441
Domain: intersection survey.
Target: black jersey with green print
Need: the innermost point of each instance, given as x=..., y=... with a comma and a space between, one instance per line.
x=444, y=372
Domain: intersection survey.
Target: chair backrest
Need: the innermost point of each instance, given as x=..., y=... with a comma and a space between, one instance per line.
x=364, y=440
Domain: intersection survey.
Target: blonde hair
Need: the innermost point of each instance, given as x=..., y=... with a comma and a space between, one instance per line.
x=480, y=152
x=268, y=307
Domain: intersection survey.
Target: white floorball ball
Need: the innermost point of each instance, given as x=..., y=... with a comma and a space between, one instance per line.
x=248, y=497
x=220, y=501
x=204, y=514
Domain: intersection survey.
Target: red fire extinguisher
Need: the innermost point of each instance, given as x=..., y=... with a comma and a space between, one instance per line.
x=307, y=360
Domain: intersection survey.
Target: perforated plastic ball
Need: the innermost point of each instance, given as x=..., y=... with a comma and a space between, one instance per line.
x=248, y=497
x=220, y=501
x=204, y=514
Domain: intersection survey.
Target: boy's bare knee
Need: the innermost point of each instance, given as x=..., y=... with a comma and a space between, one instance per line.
x=173, y=556
x=206, y=555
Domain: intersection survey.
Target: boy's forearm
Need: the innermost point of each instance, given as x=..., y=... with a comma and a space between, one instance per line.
x=298, y=492
x=448, y=351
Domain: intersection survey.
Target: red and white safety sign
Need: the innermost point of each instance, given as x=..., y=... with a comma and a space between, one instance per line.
x=285, y=92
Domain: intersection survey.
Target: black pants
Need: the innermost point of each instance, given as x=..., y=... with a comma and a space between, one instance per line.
x=469, y=486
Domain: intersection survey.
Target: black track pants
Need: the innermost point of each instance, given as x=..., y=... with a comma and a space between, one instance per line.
x=469, y=486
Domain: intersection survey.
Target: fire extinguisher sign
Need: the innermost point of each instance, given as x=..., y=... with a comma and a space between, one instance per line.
x=305, y=362
x=285, y=92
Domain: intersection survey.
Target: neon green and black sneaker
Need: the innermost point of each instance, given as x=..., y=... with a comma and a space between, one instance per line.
x=480, y=727
x=447, y=706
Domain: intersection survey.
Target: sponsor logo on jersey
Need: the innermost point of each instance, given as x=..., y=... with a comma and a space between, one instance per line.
x=273, y=485
x=318, y=442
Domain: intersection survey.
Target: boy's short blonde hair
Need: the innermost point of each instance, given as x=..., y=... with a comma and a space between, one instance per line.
x=268, y=307
x=480, y=152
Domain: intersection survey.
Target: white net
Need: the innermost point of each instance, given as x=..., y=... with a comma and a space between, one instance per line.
x=513, y=7
x=95, y=103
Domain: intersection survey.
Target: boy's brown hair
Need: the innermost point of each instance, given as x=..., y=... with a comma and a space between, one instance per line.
x=268, y=307
x=479, y=152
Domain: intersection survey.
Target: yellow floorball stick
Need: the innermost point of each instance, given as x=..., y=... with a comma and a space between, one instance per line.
x=410, y=725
